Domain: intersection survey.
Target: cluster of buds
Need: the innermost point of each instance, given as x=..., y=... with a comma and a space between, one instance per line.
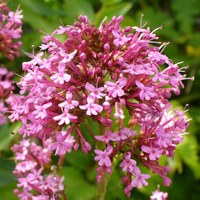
x=6, y=87
x=10, y=31
x=33, y=162
x=117, y=79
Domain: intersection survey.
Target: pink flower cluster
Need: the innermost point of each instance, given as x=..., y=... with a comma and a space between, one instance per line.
x=33, y=162
x=10, y=31
x=6, y=87
x=119, y=79
x=159, y=195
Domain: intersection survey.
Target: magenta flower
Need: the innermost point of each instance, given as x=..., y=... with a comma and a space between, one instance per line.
x=159, y=195
x=153, y=152
x=120, y=39
x=10, y=31
x=60, y=76
x=115, y=89
x=128, y=164
x=65, y=117
x=91, y=107
x=33, y=181
x=146, y=91
x=140, y=179
x=103, y=156
x=116, y=79
x=95, y=92
x=6, y=87
x=63, y=144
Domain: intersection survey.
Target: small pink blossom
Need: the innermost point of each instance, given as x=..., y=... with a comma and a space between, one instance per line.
x=91, y=107
x=40, y=110
x=61, y=76
x=95, y=92
x=140, y=180
x=65, y=117
x=63, y=144
x=159, y=195
x=115, y=89
x=146, y=92
x=103, y=156
x=153, y=152
x=120, y=39
x=55, y=183
x=69, y=103
x=128, y=164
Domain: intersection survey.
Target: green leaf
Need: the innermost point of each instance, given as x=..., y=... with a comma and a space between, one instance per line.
x=106, y=2
x=6, y=136
x=114, y=185
x=188, y=151
x=38, y=7
x=72, y=9
x=112, y=10
x=186, y=10
x=79, y=160
x=77, y=187
x=6, y=193
x=6, y=168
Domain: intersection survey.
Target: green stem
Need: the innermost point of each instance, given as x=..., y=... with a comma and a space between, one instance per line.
x=102, y=187
x=189, y=98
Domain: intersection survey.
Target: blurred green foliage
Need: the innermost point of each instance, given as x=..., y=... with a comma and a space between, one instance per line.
x=180, y=21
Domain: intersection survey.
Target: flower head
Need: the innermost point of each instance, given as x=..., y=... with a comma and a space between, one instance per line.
x=116, y=78
x=10, y=31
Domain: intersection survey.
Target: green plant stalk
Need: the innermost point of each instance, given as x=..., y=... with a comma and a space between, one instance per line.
x=103, y=185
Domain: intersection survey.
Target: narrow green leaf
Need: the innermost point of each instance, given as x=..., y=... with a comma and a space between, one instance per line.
x=188, y=150
x=112, y=10
x=72, y=9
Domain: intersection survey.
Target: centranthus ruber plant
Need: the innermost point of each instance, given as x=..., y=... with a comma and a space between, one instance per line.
x=10, y=31
x=117, y=78
x=6, y=87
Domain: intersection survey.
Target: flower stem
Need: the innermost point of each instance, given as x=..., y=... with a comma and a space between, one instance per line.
x=102, y=187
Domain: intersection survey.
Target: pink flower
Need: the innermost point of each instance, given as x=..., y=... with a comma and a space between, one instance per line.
x=95, y=92
x=55, y=183
x=60, y=76
x=10, y=30
x=158, y=195
x=65, y=117
x=128, y=164
x=66, y=57
x=140, y=179
x=69, y=103
x=164, y=138
x=40, y=111
x=120, y=39
x=115, y=89
x=103, y=156
x=91, y=107
x=116, y=80
x=107, y=137
x=153, y=152
x=63, y=144
x=146, y=92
